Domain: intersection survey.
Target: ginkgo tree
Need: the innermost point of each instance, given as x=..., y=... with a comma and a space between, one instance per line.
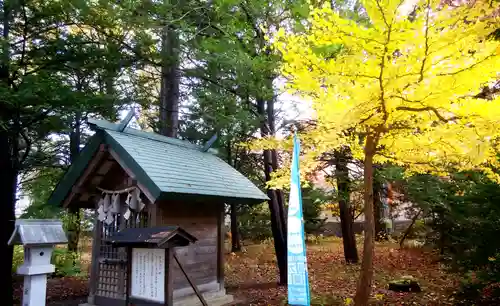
x=402, y=87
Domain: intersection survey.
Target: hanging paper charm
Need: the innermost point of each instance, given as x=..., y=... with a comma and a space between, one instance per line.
x=109, y=206
x=101, y=215
x=107, y=203
x=115, y=207
x=133, y=200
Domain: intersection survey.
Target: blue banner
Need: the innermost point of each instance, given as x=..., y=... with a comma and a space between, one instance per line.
x=298, y=281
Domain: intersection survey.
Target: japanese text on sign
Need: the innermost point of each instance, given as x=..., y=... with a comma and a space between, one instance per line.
x=148, y=274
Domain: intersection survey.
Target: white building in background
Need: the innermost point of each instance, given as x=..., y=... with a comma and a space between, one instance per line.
x=21, y=205
x=320, y=181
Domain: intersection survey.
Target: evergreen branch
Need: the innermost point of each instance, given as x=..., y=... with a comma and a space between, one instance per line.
x=27, y=149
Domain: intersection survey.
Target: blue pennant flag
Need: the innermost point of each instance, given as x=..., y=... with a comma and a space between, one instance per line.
x=298, y=281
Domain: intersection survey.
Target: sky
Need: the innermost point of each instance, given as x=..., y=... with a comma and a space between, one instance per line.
x=292, y=108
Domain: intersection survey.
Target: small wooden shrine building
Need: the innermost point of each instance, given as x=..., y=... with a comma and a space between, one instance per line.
x=133, y=178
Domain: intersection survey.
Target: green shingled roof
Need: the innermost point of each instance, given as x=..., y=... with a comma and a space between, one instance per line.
x=167, y=167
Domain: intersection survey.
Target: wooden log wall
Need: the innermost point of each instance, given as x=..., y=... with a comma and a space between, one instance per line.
x=200, y=260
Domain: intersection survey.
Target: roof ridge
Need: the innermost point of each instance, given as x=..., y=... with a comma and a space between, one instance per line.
x=100, y=124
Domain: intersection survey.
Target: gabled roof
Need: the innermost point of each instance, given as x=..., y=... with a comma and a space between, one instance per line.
x=158, y=237
x=169, y=168
x=32, y=232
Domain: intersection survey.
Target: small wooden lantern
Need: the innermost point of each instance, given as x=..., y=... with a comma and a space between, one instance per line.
x=151, y=260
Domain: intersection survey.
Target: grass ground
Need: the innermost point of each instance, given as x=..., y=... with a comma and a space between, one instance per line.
x=251, y=277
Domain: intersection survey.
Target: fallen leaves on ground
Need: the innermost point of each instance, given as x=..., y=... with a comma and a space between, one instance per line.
x=251, y=276
x=59, y=289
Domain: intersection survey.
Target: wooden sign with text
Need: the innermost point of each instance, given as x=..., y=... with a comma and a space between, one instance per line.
x=148, y=274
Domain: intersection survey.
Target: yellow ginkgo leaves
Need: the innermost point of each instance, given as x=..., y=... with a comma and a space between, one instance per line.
x=410, y=79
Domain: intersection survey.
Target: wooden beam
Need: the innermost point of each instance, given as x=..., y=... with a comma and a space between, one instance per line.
x=96, y=180
x=126, y=121
x=85, y=196
x=193, y=285
x=132, y=175
x=104, y=168
x=88, y=171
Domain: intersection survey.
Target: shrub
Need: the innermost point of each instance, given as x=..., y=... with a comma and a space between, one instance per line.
x=255, y=223
x=419, y=230
x=65, y=262
x=465, y=222
x=17, y=258
x=313, y=200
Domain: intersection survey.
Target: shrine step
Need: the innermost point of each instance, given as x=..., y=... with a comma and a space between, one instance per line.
x=225, y=300
x=214, y=300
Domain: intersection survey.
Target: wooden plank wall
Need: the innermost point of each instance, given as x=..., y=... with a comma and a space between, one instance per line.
x=200, y=260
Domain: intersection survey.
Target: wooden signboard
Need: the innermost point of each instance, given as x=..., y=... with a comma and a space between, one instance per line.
x=148, y=275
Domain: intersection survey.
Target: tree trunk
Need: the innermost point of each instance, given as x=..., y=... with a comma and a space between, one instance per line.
x=271, y=123
x=8, y=183
x=365, y=279
x=170, y=80
x=235, y=234
x=74, y=225
x=377, y=210
x=277, y=228
x=8, y=179
x=346, y=221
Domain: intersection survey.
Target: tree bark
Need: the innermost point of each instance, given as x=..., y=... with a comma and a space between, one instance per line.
x=274, y=207
x=271, y=123
x=8, y=169
x=365, y=279
x=235, y=234
x=170, y=80
x=377, y=209
x=8, y=183
x=74, y=225
x=342, y=157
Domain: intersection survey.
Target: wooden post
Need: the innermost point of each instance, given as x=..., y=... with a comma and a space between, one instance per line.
x=122, y=255
x=220, y=247
x=129, y=274
x=153, y=212
x=169, y=277
x=94, y=269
